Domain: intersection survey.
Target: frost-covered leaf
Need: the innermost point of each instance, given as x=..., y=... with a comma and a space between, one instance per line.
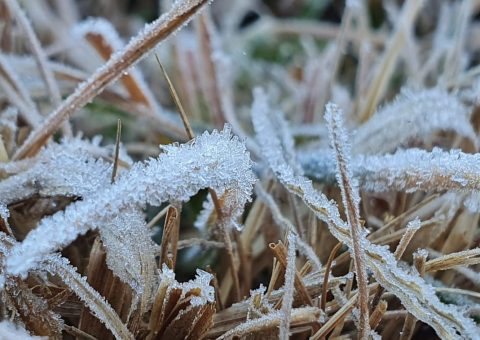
x=217, y=160
x=131, y=252
x=416, y=295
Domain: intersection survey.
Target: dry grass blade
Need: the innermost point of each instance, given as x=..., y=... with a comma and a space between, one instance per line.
x=351, y=203
x=138, y=47
x=280, y=253
x=117, y=150
x=328, y=266
x=168, y=248
x=386, y=66
x=178, y=103
x=444, y=262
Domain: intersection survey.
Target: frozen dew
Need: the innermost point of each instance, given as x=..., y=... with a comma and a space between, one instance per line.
x=214, y=160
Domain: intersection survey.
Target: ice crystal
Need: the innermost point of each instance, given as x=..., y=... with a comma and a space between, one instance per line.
x=214, y=160
x=416, y=295
x=67, y=169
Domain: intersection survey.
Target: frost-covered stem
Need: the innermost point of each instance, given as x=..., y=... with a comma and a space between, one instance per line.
x=351, y=200
x=270, y=321
x=40, y=57
x=138, y=47
x=412, y=228
x=17, y=93
x=288, y=288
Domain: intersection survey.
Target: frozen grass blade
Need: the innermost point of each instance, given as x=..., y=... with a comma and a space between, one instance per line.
x=93, y=300
x=351, y=201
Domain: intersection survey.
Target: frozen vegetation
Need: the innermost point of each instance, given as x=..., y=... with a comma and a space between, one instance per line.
x=202, y=169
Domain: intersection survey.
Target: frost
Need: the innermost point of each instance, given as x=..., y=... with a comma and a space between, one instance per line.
x=414, y=224
x=4, y=212
x=200, y=283
x=409, y=170
x=67, y=169
x=413, y=114
x=217, y=160
x=9, y=330
x=205, y=215
x=204, y=292
x=131, y=251
x=258, y=303
x=416, y=295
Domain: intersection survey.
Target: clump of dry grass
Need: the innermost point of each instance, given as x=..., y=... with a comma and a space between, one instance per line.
x=348, y=207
